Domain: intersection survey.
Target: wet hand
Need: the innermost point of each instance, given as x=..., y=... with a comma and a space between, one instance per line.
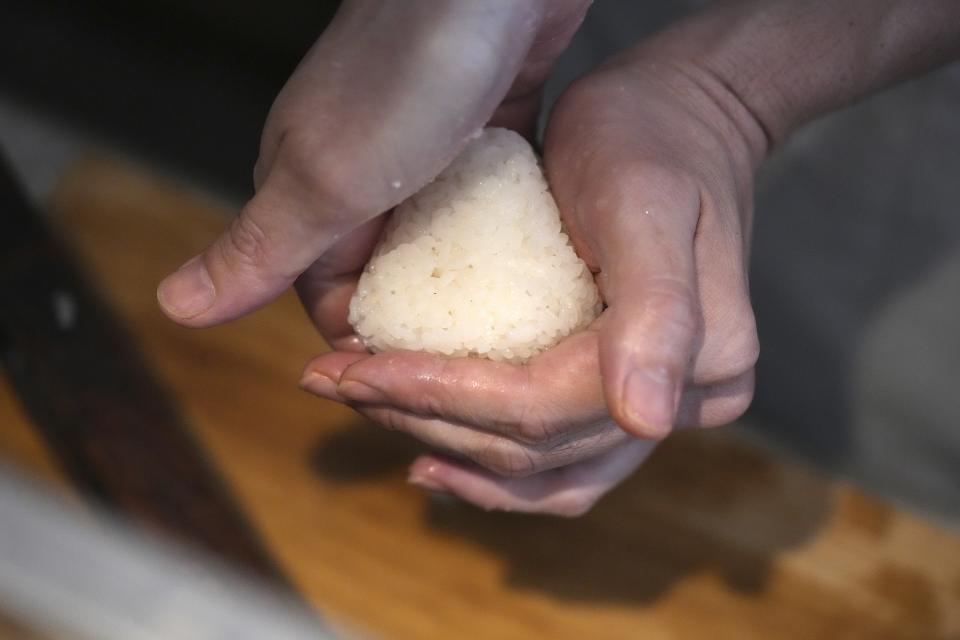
x=652, y=165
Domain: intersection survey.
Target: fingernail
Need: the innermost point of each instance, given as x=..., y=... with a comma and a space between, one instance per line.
x=321, y=385
x=188, y=291
x=649, y=401
x=361, y=392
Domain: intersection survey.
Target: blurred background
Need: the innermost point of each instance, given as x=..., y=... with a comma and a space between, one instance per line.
x=856, y=269
x=856, y=266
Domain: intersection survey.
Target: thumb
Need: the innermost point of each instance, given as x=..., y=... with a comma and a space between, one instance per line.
x=654, y=322
x=384, y=100
x=277, y=236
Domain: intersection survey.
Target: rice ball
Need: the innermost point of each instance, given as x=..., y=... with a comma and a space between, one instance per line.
x=476, y=263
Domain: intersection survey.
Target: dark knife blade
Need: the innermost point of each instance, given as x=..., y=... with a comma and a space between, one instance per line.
x=86, y=387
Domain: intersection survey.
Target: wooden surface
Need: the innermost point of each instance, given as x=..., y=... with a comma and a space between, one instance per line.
x=12, y=630
x=713, y=538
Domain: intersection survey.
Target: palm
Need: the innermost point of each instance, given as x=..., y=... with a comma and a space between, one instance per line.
x=655, y=197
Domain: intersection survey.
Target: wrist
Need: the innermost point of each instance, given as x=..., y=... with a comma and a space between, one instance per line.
x=786, y=63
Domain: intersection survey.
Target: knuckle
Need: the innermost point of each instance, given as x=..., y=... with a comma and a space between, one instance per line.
x=507, y=459
x=670, y=303
x=746, y=348
x=740, y=404
x=522, y=415
x=732, y=409
x=246, y=244
x=445, y=391
x=328, y=178
x=733, y=405
x=533, y=426
x=389, y=421
x=731, y=345
x=429, y=404
x=739, y=344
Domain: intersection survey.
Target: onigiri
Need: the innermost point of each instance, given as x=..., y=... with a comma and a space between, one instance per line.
x=476, y=263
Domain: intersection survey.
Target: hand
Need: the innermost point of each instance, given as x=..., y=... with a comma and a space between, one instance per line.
x=652, y=164
x=380, y=105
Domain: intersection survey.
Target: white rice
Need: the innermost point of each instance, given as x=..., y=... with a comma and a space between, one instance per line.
x=476, y=263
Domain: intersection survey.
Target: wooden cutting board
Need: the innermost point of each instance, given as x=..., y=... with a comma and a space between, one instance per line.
x=713, y=538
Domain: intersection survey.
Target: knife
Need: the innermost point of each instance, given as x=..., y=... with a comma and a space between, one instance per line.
x=83, y=382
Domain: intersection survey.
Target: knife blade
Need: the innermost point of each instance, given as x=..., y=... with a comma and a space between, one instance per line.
x=82, y=380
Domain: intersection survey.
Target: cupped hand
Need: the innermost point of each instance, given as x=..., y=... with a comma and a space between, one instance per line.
x=378, y=107
x=651, y=160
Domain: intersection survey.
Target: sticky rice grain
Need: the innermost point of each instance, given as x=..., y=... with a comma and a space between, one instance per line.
x=476, y=263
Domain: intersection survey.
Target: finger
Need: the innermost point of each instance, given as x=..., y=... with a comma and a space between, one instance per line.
x=700, y=407
x=277, y=235
x=495, y=452
x=709, y=406
x=648, y=342
x=321, y=379
x=730, y=344
x=326, y=287
x=521, y=107
x=557, y=391
x=569, y=491
x=644, y=218
x=387, y=97
x=716, y=405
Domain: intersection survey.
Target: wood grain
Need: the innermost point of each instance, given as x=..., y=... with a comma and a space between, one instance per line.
x=712, y=538
x=114, y=430
x=20, y=445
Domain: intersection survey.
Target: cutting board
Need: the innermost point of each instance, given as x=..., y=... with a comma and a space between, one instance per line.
x=713, y=538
